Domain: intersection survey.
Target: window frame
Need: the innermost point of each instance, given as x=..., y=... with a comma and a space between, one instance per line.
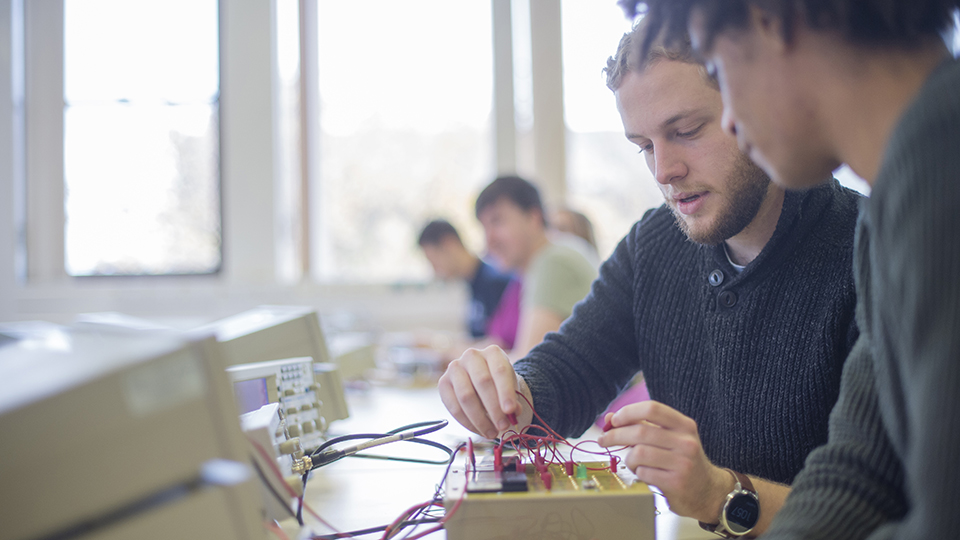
x=34, y=284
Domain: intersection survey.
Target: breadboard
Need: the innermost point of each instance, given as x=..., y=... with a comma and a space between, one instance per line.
x=604, y=505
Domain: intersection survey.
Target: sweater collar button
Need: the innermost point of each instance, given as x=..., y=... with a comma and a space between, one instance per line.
x=715, y=278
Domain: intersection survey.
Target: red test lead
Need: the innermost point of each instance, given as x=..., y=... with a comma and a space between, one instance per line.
x=547, y=480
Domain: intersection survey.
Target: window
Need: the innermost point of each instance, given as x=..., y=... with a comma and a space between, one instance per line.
x=606, y=179
x=405, y=106
x=141, y=137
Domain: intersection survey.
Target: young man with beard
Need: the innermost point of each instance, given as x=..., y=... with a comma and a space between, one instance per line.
x=808, y=85
x=735, y=299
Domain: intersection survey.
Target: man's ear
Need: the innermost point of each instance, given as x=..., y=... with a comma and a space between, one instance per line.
x=536, y=216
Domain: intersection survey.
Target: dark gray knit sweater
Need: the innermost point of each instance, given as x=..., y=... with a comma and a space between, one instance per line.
x=755, y=358
x=892, y=466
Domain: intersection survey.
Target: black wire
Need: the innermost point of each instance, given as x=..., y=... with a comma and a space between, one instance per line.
x=417, y=440
x=283, y=502
x=437, y=493
x=432, y=426
x=371, y=530
x=415, y=520
x=401, y=459
x=435, y=424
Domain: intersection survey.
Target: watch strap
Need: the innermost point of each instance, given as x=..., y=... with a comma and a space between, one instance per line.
x=742, y=482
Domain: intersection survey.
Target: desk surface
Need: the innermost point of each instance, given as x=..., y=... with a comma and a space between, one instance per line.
x=354, y=494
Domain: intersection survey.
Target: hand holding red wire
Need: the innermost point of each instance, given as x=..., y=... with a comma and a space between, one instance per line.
x=479, y=389
x=666, y=452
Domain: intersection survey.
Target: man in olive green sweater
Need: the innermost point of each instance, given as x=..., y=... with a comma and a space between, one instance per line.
x=808, y=85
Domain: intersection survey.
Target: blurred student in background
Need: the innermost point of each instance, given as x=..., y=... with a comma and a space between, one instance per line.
x=568, y=221
x=495, y=298
x=555, y=277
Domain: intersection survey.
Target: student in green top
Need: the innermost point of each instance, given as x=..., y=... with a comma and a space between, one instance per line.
x=555, y=277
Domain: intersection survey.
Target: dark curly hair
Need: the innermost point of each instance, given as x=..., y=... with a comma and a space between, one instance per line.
x=871, y=23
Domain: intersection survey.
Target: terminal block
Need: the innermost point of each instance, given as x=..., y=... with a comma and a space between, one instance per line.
x=592, y=500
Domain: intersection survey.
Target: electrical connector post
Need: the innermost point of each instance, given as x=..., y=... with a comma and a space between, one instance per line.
x=301, y=465
x=547, y=479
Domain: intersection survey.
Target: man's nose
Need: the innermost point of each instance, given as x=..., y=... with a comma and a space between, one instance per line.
x=669, y=165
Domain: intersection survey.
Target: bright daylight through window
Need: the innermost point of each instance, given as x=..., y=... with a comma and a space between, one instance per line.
x=606, y=177
x=405, y=106
x=141, y=87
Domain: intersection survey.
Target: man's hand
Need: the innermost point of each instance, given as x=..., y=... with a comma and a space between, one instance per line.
x=666, y=453
x=480, y=391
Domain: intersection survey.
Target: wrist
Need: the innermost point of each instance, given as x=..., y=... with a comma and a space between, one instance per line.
x=740, y=512
x=721, y=483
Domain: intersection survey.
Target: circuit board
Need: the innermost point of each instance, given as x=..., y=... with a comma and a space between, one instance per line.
x=587, y=500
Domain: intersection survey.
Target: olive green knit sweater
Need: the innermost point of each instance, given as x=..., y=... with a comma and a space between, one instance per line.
x=891, y=468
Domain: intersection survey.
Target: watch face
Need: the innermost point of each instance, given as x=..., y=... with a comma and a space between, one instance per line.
x=742, y=513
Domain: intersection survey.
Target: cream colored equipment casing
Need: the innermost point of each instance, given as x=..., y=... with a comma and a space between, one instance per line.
x=291, y=383
x=265, y=431
x=602, y=507
x=270, y=333
x=95, y=421
x=332, y=398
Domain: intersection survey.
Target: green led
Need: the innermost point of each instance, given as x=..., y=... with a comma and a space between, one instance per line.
x=581, y=471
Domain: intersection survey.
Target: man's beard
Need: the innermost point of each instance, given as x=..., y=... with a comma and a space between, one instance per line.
x=747, y=188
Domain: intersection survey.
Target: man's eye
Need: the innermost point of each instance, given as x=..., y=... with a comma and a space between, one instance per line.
x=646, y=147
x=691, y=133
